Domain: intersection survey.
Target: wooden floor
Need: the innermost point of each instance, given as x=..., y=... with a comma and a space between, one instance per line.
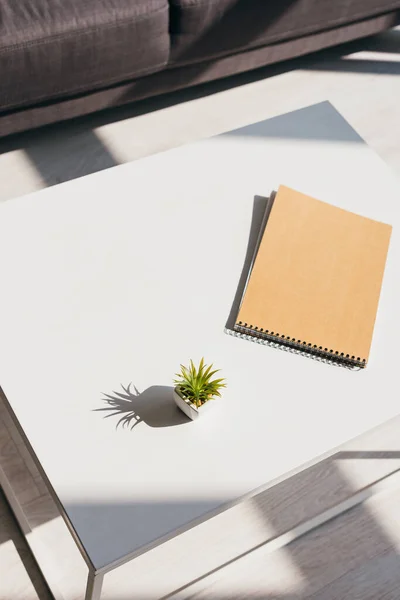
x=20, y=578
x=352, y=557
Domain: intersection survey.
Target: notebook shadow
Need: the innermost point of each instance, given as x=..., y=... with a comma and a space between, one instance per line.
x=262, y=206
x=154, y=406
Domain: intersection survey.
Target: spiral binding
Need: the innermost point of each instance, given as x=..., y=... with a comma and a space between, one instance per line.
x=283, y=342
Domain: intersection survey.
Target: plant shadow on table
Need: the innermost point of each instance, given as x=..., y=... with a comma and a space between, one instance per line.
x=154, y=406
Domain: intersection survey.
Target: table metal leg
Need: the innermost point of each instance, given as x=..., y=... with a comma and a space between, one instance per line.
x=94, y=585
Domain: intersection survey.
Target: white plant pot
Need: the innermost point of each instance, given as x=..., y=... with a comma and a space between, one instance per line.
x=190, y=409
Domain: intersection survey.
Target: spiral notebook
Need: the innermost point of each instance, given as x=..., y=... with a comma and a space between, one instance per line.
x=316, y=279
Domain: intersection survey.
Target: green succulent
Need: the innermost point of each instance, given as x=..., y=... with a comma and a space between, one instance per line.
x=197, y=385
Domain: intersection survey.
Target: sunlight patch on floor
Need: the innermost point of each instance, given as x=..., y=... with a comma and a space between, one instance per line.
x=384, y=509
x=360, y=472
x=260, y=572
x=15, y=583
x=21, y=176
x=375, y=56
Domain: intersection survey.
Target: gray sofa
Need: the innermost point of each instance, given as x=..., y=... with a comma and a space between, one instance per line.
x=60, y=59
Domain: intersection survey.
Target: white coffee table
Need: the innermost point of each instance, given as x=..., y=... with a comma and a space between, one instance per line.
x=119, y=277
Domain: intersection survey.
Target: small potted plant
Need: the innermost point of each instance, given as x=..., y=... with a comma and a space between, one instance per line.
x=195, y=389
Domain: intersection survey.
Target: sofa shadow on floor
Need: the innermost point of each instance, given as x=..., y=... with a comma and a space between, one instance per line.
x=355, y=65
x=154, y=406
x=63, y=158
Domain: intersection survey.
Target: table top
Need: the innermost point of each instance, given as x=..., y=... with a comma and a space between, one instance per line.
x=109, y=282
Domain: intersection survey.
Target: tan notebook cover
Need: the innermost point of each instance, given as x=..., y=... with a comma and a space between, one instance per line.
x=317, y=277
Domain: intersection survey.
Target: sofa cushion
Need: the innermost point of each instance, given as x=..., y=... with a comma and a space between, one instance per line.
x=51, y=48
x=204, y=29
